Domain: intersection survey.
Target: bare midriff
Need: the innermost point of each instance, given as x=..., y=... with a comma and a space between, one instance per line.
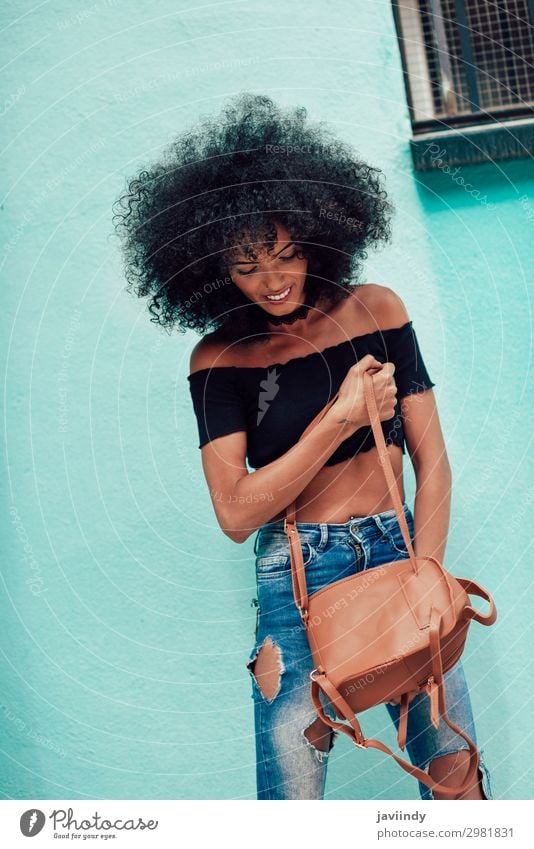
x=354, y=487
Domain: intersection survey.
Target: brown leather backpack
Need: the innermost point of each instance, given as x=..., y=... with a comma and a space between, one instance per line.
x=376, y=635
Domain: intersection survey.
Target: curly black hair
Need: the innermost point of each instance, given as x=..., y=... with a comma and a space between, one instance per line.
x=219, y=187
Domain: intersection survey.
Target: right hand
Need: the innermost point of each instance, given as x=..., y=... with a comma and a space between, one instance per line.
x=350, y=409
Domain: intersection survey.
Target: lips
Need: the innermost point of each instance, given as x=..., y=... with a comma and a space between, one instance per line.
x=279, y=300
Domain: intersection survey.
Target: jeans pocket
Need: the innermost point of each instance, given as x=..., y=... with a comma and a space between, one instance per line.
x=391, y=534
x=276, y=564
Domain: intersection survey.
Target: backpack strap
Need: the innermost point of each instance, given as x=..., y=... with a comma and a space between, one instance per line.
x=472, y=588
x=321, y=681
x=436, y=691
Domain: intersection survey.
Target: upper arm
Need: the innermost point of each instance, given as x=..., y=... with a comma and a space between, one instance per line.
x=223, y=457
x=223, y=462
x=422, y=429
x=421, y=423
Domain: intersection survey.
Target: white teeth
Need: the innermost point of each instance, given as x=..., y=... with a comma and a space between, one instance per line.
x=280, y=296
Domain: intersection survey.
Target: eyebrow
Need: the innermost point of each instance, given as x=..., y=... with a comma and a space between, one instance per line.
x=252, y=262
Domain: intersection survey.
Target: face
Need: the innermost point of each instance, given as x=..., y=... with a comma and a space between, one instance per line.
x=274, y=273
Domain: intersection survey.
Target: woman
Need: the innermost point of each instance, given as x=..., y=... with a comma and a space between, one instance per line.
x=253, y=227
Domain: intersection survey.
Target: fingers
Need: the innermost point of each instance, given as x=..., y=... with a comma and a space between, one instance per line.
x=367, y=362
x=370, y=363
x=389, y=368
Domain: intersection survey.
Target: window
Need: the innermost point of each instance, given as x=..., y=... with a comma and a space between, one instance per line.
x=469, y=75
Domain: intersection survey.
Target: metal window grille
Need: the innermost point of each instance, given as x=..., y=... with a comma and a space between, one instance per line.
x=470, y=63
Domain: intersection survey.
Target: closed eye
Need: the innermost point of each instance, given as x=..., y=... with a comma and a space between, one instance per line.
x=283, y=258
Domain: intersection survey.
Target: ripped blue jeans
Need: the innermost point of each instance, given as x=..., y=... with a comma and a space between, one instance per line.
x=288, y=764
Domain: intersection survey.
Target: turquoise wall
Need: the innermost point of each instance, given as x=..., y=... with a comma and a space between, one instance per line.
x=126, y=614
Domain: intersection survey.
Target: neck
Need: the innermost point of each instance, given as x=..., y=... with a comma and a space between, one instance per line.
x=300, y=313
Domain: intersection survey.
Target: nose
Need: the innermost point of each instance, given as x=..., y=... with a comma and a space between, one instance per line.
x=274, y=283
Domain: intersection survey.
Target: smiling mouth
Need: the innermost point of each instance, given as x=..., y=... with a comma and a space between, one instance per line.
x=280, y=298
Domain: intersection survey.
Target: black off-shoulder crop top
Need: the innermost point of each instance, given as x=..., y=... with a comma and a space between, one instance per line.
x=274, y=404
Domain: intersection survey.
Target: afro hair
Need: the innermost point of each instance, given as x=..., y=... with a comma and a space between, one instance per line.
x=219, y=187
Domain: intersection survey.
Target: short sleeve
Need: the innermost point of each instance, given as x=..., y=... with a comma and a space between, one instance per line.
x=218, y=406
x=402, y=349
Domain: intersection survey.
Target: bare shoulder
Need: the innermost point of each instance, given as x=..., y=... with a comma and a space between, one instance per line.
x=207, y=353
x=384, y=308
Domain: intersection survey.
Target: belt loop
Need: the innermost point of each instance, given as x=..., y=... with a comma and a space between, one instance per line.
x=378, y=522
x=354, y=524
x=324, y=535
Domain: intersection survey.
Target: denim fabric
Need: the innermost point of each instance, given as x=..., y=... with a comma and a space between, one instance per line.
x=288, y=766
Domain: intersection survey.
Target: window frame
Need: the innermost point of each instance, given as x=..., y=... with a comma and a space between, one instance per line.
x=504, y=132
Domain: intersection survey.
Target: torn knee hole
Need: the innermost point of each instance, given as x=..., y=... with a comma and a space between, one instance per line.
x=451, y=769
x=319, y=735
x=266, y=668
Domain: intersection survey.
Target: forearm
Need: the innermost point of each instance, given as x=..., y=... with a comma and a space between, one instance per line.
x=259, y=496
x=432, y=509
